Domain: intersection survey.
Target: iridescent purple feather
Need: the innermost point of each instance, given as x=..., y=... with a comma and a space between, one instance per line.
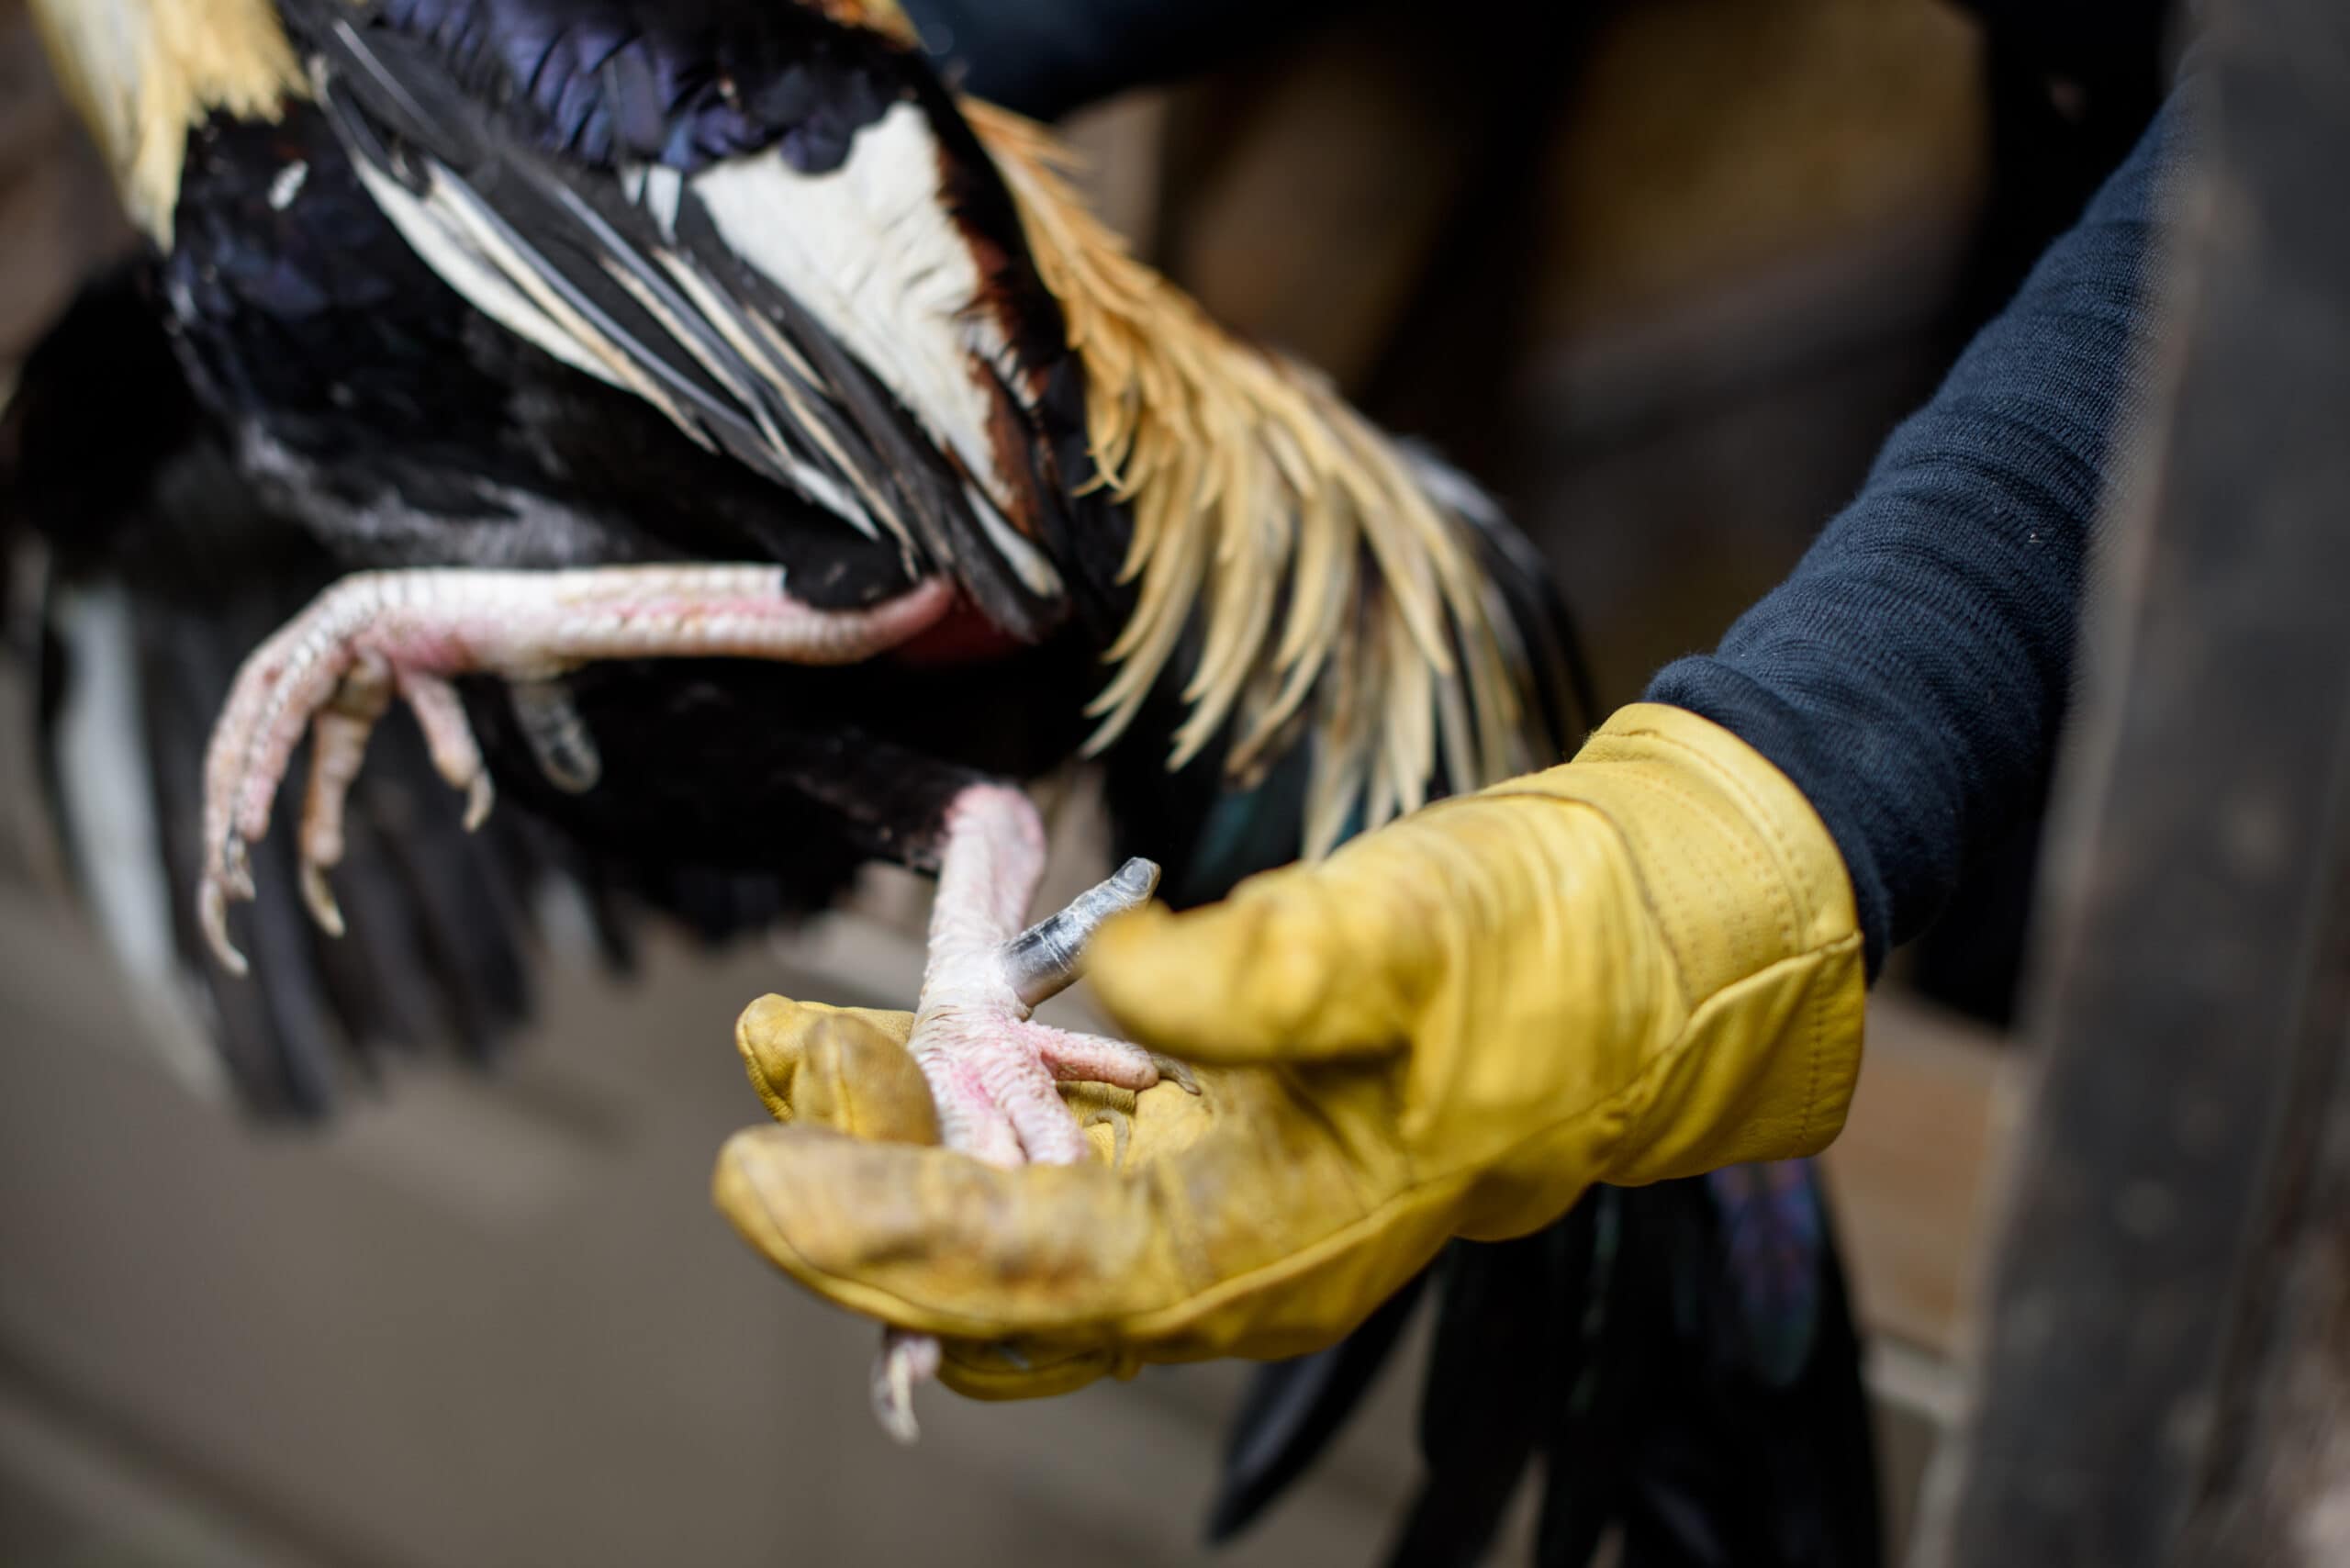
x=1772, y=1232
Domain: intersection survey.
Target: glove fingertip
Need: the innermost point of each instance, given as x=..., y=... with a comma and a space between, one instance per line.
x=761, y=1037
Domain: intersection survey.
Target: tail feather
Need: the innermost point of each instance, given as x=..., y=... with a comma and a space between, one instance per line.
x=1502, y=1359
x=1774, y=1226
x=1643, y=1357
x=1294, y=1409
x=1698, y=1435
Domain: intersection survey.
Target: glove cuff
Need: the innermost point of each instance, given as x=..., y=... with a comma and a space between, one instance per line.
x=1737, y=870
x=1751, y=895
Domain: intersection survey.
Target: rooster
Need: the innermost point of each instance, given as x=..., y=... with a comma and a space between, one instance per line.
x=738, y=447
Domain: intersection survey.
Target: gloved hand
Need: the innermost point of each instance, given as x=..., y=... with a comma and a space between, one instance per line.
x=1640, y=965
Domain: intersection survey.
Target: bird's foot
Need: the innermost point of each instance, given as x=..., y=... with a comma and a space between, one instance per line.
x=993, y=1071
x=332, y=672
x=320, y=674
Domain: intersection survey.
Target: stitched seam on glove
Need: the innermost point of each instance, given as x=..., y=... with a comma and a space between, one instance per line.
x=1793, y=865
x=1786, y=907
x=1709, y=809
x=1790, y=879
x=769, y=1092
x=1851, y=945
x=1812, y=1004
x=1793, y=904
x=1809, y=899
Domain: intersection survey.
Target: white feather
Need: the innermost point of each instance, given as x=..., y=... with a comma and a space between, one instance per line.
x=288, y=184
x=869, y=249
x=739, y=328
x=446, y=229
x=444, y=246
x=664, y=189
x=872, y=252
x=1025, y=558
x=109, y=821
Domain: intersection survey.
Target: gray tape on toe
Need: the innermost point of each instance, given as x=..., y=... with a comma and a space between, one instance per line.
x=1047, y=959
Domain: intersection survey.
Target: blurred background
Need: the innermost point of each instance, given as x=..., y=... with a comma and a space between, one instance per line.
x=1663, y=275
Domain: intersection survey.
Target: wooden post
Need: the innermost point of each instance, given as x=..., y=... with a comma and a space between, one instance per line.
x=2164, y=1374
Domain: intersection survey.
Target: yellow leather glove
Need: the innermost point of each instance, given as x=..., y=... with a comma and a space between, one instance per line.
x=1640, y=965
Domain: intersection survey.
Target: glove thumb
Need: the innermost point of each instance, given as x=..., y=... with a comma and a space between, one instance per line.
x=842, y=1068
x=1278, y=973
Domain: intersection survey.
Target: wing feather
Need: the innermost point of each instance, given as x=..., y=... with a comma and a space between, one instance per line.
x=826, y=329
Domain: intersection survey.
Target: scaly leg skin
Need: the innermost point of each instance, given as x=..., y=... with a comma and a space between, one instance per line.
x=333, y=671
x=991, y=1069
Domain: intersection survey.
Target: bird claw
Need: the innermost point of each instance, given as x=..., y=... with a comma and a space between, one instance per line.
x=904, y=1362
x=317, y=896
x=1176, y=1072
x=996, y=1076
x=320, y=676
x=480, y=796
x=212, y=917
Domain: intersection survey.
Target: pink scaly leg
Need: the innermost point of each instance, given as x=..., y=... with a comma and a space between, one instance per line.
x=993, y=1071
x=333, y=670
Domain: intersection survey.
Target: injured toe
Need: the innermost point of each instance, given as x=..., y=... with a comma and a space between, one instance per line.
x=905, y=1362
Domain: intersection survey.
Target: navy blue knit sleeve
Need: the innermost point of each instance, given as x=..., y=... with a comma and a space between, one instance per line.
x=1910, y=676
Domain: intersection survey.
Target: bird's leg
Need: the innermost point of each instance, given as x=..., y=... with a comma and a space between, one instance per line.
x=992, y=1071
x=333, y=670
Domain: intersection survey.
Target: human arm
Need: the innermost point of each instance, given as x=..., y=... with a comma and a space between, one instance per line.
x=1911, y=674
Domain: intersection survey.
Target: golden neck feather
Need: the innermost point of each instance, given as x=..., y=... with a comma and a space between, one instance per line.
x=1333, y=575
x=144, y=72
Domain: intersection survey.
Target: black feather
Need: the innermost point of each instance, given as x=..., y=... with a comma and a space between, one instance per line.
x=679, y=81
x=1676, y=1437
x=1509, y=1348
x=1294, y=1408
x=398, y=102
